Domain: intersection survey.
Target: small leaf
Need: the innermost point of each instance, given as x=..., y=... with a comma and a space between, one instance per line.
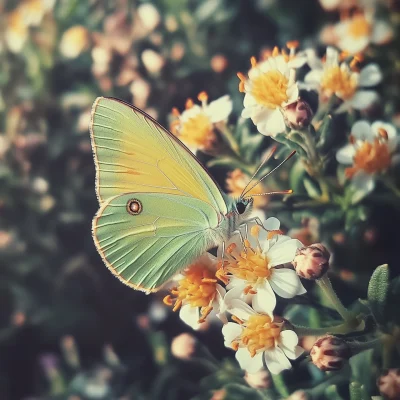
x=331, y=393
x=377, y=291
x=357, y=391
x=324, y=133
x=311, y=188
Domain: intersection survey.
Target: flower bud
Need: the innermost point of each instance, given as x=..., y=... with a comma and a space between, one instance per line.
x=298, y=114
x=330, y=353
x=389, y=384
x=183, y=346
x=311, y=262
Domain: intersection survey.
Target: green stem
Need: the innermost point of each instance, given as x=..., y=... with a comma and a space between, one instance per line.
x=357, y=347
x=325, y=284
x=280, y=385
x=341, y=329
x=227, y=134
x=387, y=181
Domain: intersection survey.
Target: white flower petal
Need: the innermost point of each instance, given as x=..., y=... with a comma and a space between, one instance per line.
x=371, y=75
x=382, y=32
x=272, y=224
x=283, y=250
x=276, y=360
x=231, y=332
x=234, y=294
x=264, y=301
x=286, y=283
x=241, y=309
x=247, y=362
x=272, y=125
x=391, y=132
x=289, y=338
x=363, y=99
x=363, y=182
x=190, y=113
x=332, y=57
x=292, y=353
x=219, y=110
x=314, y=76
x=345, y=154
x=190, y=316
x=362, y=130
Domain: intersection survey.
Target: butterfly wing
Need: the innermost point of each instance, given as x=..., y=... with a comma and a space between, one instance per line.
x=133, y=153
x=147, y=249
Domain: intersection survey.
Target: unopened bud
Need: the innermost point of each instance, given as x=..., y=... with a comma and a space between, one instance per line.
x=298, y=114
x=311, y=262
x=330, y=353
x=389, y=384
x=183, y=346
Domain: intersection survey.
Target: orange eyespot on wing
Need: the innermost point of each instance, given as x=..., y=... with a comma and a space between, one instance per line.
x=134, y=206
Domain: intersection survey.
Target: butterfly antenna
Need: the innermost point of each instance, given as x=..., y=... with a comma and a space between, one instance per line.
x=268, y=156
x=270, y=172
x=290, y=191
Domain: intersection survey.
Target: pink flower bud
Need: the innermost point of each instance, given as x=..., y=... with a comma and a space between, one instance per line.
x=298, y=114
x=389, y=384
x=311, y=262
x=183, y=346
x=330, y=353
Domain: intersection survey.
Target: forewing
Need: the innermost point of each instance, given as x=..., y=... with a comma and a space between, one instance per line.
x=133, y=153
x=147, y=249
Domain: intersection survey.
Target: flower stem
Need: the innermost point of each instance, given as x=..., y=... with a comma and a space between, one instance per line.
x=388, y=182
x=227, y=134
x=357, y=347
x=340, y=329
x=325, y=284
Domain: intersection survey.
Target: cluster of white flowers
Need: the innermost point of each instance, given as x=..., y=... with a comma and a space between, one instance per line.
x=243, y=291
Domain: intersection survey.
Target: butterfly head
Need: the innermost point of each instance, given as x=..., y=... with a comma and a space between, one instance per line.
x=243, y=205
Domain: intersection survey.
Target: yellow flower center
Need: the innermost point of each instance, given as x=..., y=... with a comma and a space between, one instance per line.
x=339, y=81
x=198, y=131
x=198, y=288
x=371, y=158
x=359, y=27
x=270, y=89
x=237, y=181
x=260, y=333
x=250, y=265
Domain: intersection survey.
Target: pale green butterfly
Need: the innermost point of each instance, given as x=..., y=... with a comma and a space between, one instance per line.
x=159, y=208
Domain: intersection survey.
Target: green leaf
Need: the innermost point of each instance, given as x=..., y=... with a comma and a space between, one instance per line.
x=311, y=188
x=324, y=133
x=234, y=391
x=296, y=178
x=360, y=365
x=377, y=292
x=331, y=393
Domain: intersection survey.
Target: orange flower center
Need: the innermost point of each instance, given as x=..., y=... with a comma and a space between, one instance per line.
x=359, y=27
x=198, y=131
x=339, y=81
x=260, y=333
x=270, y=89
x=198, y=288
x=371, y=158
x=250, y=265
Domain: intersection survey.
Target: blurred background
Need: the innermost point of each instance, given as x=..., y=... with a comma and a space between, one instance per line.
x=68, y=328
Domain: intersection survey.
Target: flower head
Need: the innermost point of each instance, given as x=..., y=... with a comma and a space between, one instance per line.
x=389, y=384
x=311, y=262
x=17, y=32
x=355, y=34
x=251, y=268
x=330, y=353
x=369, y=153
x=259, y=337
x=237, y=181
x=270, y=87
x=195, y=126
x=342, y=79
x=197, y=292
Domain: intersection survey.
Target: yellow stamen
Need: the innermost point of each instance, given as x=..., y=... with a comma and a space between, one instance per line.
x=359, y=27
x=292, y=44
x=270, y=89
x=175, y=112
x=339, y=81
x=202, y=96
x=242, y=82
x=371, y=158
x=273, y=233
x=275, y=51
x=383, y=133
x=189, y=104
x=221, y=275
x=260, y=333
x=253, y=62
x=237, y=319
x=255, y=230
x=235, y=346
x=198, y=131
x=198, y=288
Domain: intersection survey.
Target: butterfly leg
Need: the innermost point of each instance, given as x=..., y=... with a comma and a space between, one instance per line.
x=257, y=220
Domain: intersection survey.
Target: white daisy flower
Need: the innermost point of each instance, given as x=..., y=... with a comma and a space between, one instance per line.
x=251, y=271
x=197, y=292
x=270, y=87
x=259, y=338
x=333, y=77
x=355, y=34
x=369, y=153
x=195, y=126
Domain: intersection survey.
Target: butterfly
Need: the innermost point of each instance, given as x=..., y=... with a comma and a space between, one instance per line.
x=159, y=207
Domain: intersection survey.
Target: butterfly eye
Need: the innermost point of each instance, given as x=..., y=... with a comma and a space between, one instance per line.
x=240, y=207
x=134, y=207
